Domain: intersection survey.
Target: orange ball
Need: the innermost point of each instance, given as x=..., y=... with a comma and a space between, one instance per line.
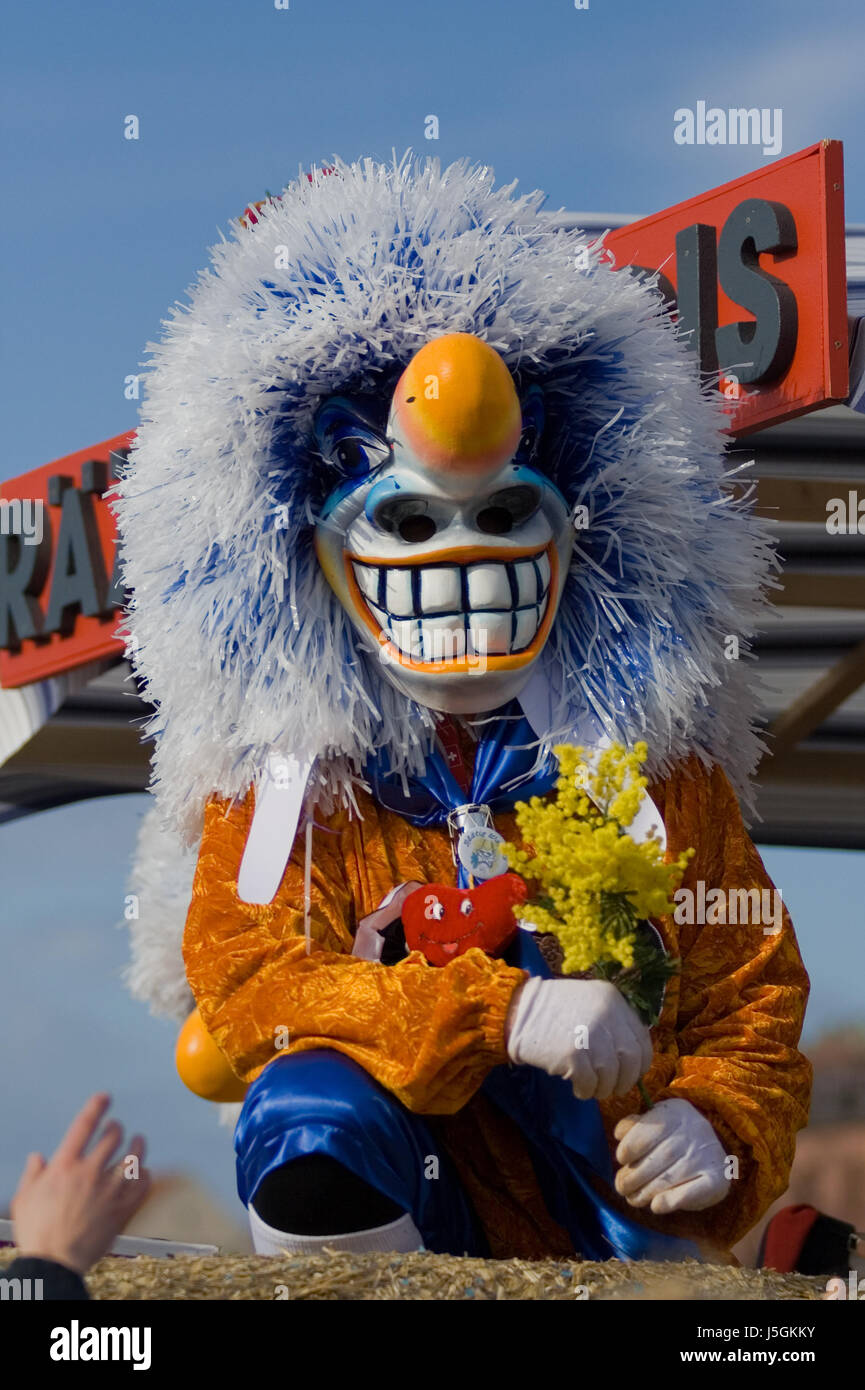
x=202, y=1067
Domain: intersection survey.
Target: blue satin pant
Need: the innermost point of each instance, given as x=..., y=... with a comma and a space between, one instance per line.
x=323, y=1102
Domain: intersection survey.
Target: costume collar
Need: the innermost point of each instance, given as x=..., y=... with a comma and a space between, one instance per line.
x=507, y=768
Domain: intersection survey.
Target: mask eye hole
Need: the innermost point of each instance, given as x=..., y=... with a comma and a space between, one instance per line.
x=417, y=528
x=406, y=517
x=509, y=508
x=495, y=521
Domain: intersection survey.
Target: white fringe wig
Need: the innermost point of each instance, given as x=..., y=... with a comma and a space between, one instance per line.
x=242, y=646
x=161, y=881
x=161, y=885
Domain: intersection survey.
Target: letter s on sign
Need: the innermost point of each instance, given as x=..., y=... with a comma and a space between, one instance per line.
x=760, y=351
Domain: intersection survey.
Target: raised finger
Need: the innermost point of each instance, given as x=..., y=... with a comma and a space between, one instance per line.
x=82, y=1128
x=106, y=1147
x=124, y=1170
x=130, y=1193
x=32, y=1168
x=138, y=1147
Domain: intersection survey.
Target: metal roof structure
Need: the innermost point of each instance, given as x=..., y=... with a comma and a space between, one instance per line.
x=810, y=652
x=811, y=649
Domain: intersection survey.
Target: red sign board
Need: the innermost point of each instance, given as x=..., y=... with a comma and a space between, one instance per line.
x=757, y=270
x=58, y=589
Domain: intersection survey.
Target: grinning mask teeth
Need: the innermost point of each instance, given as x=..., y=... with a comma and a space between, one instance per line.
x=443, y=542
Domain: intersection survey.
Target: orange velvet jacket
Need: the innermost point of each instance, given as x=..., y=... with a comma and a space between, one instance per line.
x=726, y=1041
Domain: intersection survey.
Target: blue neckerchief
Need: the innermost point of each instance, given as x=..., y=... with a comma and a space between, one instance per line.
x=504, y=773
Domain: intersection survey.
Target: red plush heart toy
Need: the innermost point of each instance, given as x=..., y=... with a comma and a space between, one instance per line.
x=444, y=922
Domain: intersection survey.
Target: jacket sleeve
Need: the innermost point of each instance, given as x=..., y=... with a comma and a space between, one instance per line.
x=58, y=1281
x=428, y=1035
x=742, y=996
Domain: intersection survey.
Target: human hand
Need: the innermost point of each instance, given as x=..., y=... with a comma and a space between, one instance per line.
x=71, y=1208
x=672, y=1159
x=583, y=1030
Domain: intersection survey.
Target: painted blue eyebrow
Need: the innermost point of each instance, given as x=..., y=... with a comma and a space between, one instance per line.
x=338, y=414
x=338, y=419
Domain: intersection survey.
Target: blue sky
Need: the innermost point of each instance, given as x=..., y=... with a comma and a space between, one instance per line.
x=101, y=235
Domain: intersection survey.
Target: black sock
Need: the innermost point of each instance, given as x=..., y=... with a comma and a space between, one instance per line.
x=316, y=1196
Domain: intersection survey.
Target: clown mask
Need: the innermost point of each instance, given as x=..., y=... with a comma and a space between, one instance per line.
x=444, y=543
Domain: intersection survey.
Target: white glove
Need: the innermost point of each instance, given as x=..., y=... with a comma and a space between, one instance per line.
x=672, y=1158
x=582, y=1030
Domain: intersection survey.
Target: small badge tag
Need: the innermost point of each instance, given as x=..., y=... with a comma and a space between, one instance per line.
x=480, y=853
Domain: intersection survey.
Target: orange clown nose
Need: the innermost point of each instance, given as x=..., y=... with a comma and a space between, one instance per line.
x=456, y=407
